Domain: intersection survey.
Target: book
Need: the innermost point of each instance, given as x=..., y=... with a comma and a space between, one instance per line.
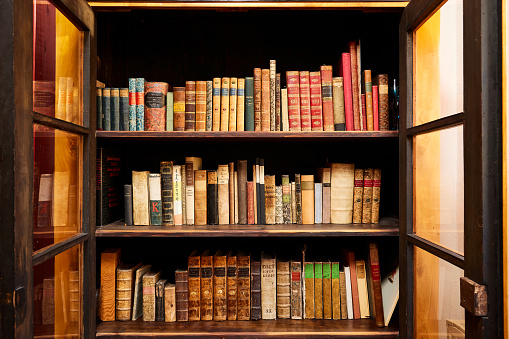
x=347, y=83
x=359, y=75
x=241, y=101
x=376, y=126
x=110, y=259
x=138, y=291
x=232, y=110
x=250, y=203
x=154, y=188
x=308, y=199
x=194, y=284
x=285, y=123
x=206, y=286
x=375, y=207
x=348, y=293
x=106, y=108
x=181, y=295
x=315, y=90
x=212, y=213
x=342, y=293
x=298, y=199
x=256, y=290
x=367, y=196
x=362, y=285
x=170, y=311
x=286, y=199
x=283, y=290
x=124, y=109
x=318, y=203
x=200, y=197
x=355, y=88
x=272, y=97
x=141, y=211
x=335, y=291
x=190, y=106
x=140, y=104
x=268, y=285
x=231, y=191
x=318, y=290
x=201, y=106
x=192, y=164
x=278, y=205
x=108, y=185
x=382, y=81
x=305, y=101
x=342, y=183
x=179, y=108
x=225, y=104
x=375, y=285
x=169, y=112
x=236, y=190
x=261, y=194
x=270, y=200
x=208, y=119
x=166, y=168
x=278, y=102
x=294, y=202
x=265, y=104
x=149, y=295
x=327, y=98
x=292, y=82
x=99, y=103
x=324, y=178
x=132, y=104
x=177, y=195
x=368, y=90
x=257, y=93
x=256, y=187
x=242, y=191
x=390, y=293
x=231, y=286
x=61, y=198
x=48, y=301
x=216, y=104
x=249, y=104
x=160, y=307
x=327, y=290
x=309, y=290
x=75, y=299
x=155, y=106
x=349, y=259
x=219, y=283
x=338, y=101
x=296, y=289
x=243, y=286
x=183, y=194
x=125, y=290
x=357, y=195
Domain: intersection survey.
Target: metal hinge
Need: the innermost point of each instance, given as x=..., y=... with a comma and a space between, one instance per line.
x=474, y=297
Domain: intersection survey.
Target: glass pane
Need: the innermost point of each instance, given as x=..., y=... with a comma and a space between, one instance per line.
x=58, y=74
x=438, y=64
x=57, y=186
x=57, y=295
x=439, y=187
x=437, y=310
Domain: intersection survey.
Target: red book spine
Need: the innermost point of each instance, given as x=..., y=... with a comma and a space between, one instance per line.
x=292, y=83
x=376, y=285
x=305, y=101
x=155, y=106
x=347, y=83
x=375, y=109
x=363, y=113
x=250, y=203
x=315, y=89
x=355, y=87
x=327, y=105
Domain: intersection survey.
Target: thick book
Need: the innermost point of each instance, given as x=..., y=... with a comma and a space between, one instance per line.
x=324, y=178
x=169, y=111
x=315, y=90
x=231, y=286
x=216, y=104
x=155, y=106
x=286, y=199
x=249, y=104
x=272, y=88
x=99, y=104
x=283, y=290
x=170, y=303
x=257, y=94
x=190, y=106
x=250, y=203
x=223, y=200
x=149, y=295
x=110, y=259
x=201, y=106
x=132, y=104
x=231, y=191
x=108, y=190
x=355, y=88
x=225, y=104
x=376, y=126
x=160, y=307
x=265, y=106
x=212, y=214
x=338, y=101
x=327, y=289
x=241, y=101
x=242, y=190
x=347, y=82
x=206, y=286
x=305, y=101
x=125, y=290
x=342, y=183
x=327, y=104
x=349, y=259
x=298, y=199
x=256, y=290
x=278, y=102
x=141, y=211
x=368, y=91
x=193, y=281
x=192, y=164
x=382, y=81
x=292, y=83
x=181, y=295
x=179, y=108
x=178, y=192
x=106, y=109
x=335, y=291
x=318, y=290
x=367, y=196
x=200, y=197
x=375, y=285
x=278, y=205
x=270, y=199
x=166, y=168
x=140, y=104
x=268, y=285
x=296, y=289
x=154, y=189
x=138, y=291
x=219, y=282
x=349, y=297
x=318, y=202
x=308, y=199
x=375, y=207
x=285, y=123
x=357, y=195
x=362, y=286
x=309, y=290
x=123, y=108
x=390, y=293
x=244, y=286
x=232, y=110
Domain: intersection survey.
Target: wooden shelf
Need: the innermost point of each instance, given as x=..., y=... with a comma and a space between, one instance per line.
x=281, y=328
x=386, y=227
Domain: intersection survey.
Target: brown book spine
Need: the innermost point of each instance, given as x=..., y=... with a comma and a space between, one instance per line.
x=194, y=269
x=308, y=199
x=181, y=295
x=225, y=103
x=318, y=290
x=48, y=302
x=265, y=100
x=327, y=102
x=149, y=295
x=350, y=260
x=335, y=291
x=160, y=285
x=206, y=286
x=250, y=203
x=243, y=287
x=231, y=286
x=222, y=195
x=242, y=190
x=327, y=290
x=355, y=87
x=342, y=294
x=315, y=90
x=231, y=191
x=272, y=84
x=208, y=116
x=363, y=112
x=376, y=285
x=286, y=199
x=220, y=305
x=241, y=103
x=236, y=194
x=110, y=259
x=232, y=111
x=179, y=108
x=305, y=101
x=375, y=208
x=270, y=199
x=357, y=195
x=257, y=99
x=367, y=195
x=125, y=291
x=216, y=104
x=170, y=314
x=368, y=90
x=200, y=197
x=338, y=99
x=296, y=293
x=212, y=216
x=201, y=105
x=309, y=290
x=190, y=106
x=141, y=215
x=155, y=106
x=283, y=290
x=298, y=199
x=256, y=291
x=278, y=101
x=383, y=101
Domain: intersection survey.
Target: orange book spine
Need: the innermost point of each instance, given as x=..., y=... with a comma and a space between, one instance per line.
x=265, y=100
x=327, y=98
x=201, y=105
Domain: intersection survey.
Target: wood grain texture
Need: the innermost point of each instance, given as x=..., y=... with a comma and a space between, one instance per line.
x=110, y=259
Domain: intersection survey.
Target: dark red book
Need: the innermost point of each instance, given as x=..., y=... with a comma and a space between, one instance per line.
x=375, y=109
x=349, y=260
x=305, y=101
x=375, y=286
x=347, y=83
x=327, y=105
x=155, y=106
x=292, y=83
x=363, y=113
x=315, y=89
x=355, y=85
x=250, y=203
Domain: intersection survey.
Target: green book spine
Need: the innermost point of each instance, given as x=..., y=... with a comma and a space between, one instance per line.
x=99, y=103
x=249, y=104
x=115, y=109
x=124, y=109
x=169, y=111
x=106, y=109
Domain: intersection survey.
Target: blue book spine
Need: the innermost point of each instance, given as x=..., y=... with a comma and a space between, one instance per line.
x=106, y=109
x=249, y=104
x=132, y=104
x=115, y=109
x=140, y=104
x=318, y=203
x=99, y=107
x=169, y=111
x=124, y=109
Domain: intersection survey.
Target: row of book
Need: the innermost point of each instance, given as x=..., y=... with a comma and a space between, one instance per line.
x=188, y=195
x=67, y=100
x=239, y=286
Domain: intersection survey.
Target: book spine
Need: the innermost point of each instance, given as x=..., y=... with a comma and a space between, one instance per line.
x=368, y=90
x=183, y=194
x=270, y=200
x=327, y=290
x=190, y=113
x=342, y=184
x=243, y=288
x=355, y=287
x=308, y=199
x=124, y=280
x=319, y=290
x=327, y=96
x=283, y=290
x=326, y=194
x=261, y=194
x=256, y=291
x=206, y=288
x=177, y=195
x=383, y=101
x=208, y=119
x=249, y=104
x=367, y=196
x=279, y=205
x=140, y=104
x=110, y=259
x=376, y=284
x=376, y=126
x=132, y=104
x=338, y=99
x=200, y=197
x=298, y=199
x=286, y=199
x=296, y=290
x=179, y=108
x=69, y=94
x=194, y=276
x=294, y=203
x=225, y=103
x=61, y=102
x=155, y=106
x=272, y=89
x=231, y=287
x=343, y=295
x=309, y=290
x=285, y=124
x=375, y=208
x=189, y=190
x=292, y=82
x=141, y=214
x=242, y=191
x=268, y=287
x=360, y=267
x=355, y=87
x=212, y=216
x=305, y=101
x=106, y=109
x=181, y=296
x=154, y=188
x=363, y=112
x=347, y=80
x=216, y=104
x=169, y=111
x=74, y=297
x=222, y=195
x=170, y=314
x=265, y=100
x=99, y=105
x=357, y=196
x=231, y=191
x=48, y=301
x=241, y=101
x=318, y=203
x=250, y=203
x=160, y=300
x=201, y=105
x=257, y=92
x=232, y=110
x=256, y=186
x=315, y=90
x=124, y=109
x=167, y=191
x=278, y=101
x=128, y=204
x=335, y=291
x=220, y=303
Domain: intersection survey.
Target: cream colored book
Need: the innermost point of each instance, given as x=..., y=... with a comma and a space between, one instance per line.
x=362, y=286
x=141, y=214
x=177, y=194
x=192, y=164
x=284, y=110
x=241, y=99
x=232, y=123
x=216, y=104
x=170, y=314
x=342, y=184
x=268, y=284
x=223, y=202
x=225, y=103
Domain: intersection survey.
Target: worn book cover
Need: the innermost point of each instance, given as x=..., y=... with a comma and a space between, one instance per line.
x=179, y=108
x=256, y=290
x=181, y=295
x=192, y=164
x=138, y=291
x=51, y=103
x=342, y=184
x=294, y=202
x=285, y=123
x=216, y=104
x=106, y=107
x=169, y=111
x=349, y=297
x=268, y=285
x=382, y=81
x=249, y=104
x=241, y=101
x=335, y=291
x=125, y=290
x=324, y=178
x=149, y=295
x=375, y=285
x=201, y=105
x=160, y=285
x=292, y=83
x=154, y=188
x=167, y=191
x=283, y=290
x=338, y=101
x=362, y=286
x=250, y=203
x=305, y=101
x=190, y=115
x=349, y=259
x=318, y=203
x=232, y=110
x=318, y=290
x=298, y=199
x=170, y=311
x=270, y=200
x=368, y=91
x=194, y=283
x=357, y=195
x=278, y=102
x=206, y=286
x=231, y=191
x=308, y=199
x=110, y=259
x=200, y=197
x=272, y=89
x=128, y=204
x=296, y=289
x=212, y=215
x=225, y=104
x=132, y=104
x=242, y=190
x=375, y=208
x=231, y=286
x=347, y=81
x=108, y=190
x=342, y=294
x=48, y=302
x=327, y=102
x=355, y=88
x=376, y=126
x=315, y=90
x=219, y=286
x=265, y=111
x=243, y=286
x=141, y=212
x=279, y=205
x=223, y=200
x=327, y=290
x=155, y=106
x=177, y=194
x=367, y=196
x=286, y=199
x=257, y=92
x=140, y=104
x=309, y=290
x=123, y=107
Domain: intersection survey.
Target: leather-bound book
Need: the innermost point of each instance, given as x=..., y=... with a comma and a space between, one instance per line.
x=216, y=104
x=376, y=126
x=298, y=199
x=128, y=205
x=279, y=205
x=193, y=279
x=167, y=191
x=270, y=200
x=249, y=104
x=192, y=164
x=178, y=193
x=347, y=82
x=208, y=118
x=200, y=197
x=250, y=203
x=261, y=194
x=160, y=285
x=219, y=284
x=212, y=216
x=315, y=90
x=179, y=108
x=155, y=106
x=318, y=290
x=241, y=100
x=231, y=286
x=309, y=290
x=283, y=290
x=232, y=110
x=106, y=107
x=318, y=203
x=367, y=196
x=328, y=110
x=272, y=89
x=327, y=290
x=123, y=107
x=256, y=290
x=132, y=104
x=305, y=101
x=268, y=285
x=206, y=286
x=225, y=103
x=308, y=199
x=362, y=286
x=169, y=111
x=285, y=123
x=335, y=291
x=231, y=191
x=242, y=190
x=140, y=104
x=357, y=195
x=51, y=90
x=342, y=294
x=375, y=208
x=243, y=286
x=286, y=199
x=181, y=295
x=190, y=115
x=257, y=92
x=355, y=88
x=201, y=105
x=342, y=183
x=149, y=295
x=382, y=81
x=125, y=290
x=138, y=291
x=223, y=195
x=154, y=188
x=349, y=259
x=278, y=102
x=292, y=82
x=294, y=203
x=363, y=112
x=324, y=178
x=265, y=100
x=375, y=286
x=141, y=214
x=296, y=289
x=170, y=303
x=338, y=101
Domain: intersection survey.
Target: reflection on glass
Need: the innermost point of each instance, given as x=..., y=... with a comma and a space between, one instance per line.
x=57, y=78
x=438, y=57
x=439, y=187
x=57, y=295
x=56, y=187
x=437, y=310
